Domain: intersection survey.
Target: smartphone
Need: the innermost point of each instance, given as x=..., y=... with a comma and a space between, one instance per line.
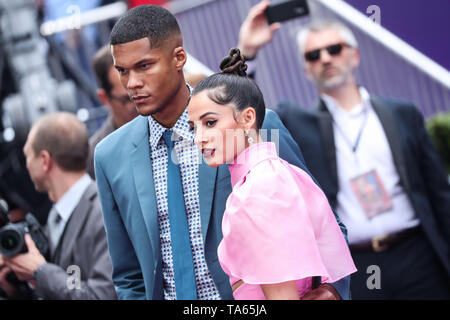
x=286, y=10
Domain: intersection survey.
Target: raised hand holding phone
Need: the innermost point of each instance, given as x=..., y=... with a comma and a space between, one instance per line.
x=286, y=10
x=256, y=30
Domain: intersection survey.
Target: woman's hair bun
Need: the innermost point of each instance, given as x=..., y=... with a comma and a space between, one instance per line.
x=234, y=63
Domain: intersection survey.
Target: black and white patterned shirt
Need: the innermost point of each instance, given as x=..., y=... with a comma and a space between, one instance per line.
x=187, y=154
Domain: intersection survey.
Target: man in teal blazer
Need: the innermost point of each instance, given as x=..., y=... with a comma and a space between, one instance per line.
x=150, y=68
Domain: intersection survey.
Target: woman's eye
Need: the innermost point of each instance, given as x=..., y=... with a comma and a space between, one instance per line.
x=192, y=129
x=210, y=123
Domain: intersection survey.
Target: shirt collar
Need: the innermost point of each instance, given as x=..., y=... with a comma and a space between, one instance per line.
x=333, y=106
x=66, y=205
x=181, y=128
x=249, y=158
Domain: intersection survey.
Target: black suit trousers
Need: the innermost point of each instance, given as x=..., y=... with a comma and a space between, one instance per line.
x=407, y=271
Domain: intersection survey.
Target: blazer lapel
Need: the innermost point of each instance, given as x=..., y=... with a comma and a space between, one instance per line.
x=143, y=180
x=390, y=129
x=326, y=130
x=74, y=225
x=207, y=181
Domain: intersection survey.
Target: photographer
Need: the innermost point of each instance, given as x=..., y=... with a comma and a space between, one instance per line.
x=10, y=286
x=79, y=267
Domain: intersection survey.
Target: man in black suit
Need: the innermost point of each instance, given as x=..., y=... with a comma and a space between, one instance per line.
x=376, y=164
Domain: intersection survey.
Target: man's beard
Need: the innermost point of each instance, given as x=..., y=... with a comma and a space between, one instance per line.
x=334, y=82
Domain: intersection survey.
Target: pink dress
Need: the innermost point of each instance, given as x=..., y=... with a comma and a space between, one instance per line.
x=278, y=226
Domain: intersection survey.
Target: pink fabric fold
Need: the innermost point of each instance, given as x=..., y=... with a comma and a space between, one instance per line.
x=278, y=226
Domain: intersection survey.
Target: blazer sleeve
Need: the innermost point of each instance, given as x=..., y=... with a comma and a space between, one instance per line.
x=434, y=175
x=127, y=273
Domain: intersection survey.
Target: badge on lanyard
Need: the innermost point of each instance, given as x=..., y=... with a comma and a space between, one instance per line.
x=371, y=193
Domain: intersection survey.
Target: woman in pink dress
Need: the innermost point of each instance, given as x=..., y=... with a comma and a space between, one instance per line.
x=278, y=228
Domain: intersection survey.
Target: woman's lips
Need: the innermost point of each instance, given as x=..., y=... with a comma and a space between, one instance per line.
x=208, y=153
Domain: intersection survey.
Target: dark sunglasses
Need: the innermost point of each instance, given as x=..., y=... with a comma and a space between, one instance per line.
x=333, y=50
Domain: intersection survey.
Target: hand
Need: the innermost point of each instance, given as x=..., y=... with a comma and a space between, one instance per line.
x=255, y=32
x=24, y=265
x=324, y=292
x=7, y=287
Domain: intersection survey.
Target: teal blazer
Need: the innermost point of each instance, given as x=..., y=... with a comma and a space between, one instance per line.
x=127, y=196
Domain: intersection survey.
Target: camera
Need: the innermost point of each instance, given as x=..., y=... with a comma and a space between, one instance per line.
x=12, y=241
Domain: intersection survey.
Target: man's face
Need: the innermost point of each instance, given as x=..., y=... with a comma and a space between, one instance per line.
x=330, y=71
x=34, y=164
x=150, y=76
x=122, y=106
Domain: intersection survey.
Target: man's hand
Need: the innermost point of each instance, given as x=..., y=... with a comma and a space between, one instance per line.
x=255, y=32
x=7, y=287
x=24, y=265
x=324, y=292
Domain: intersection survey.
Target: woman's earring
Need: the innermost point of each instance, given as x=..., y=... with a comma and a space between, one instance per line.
x=249, y=139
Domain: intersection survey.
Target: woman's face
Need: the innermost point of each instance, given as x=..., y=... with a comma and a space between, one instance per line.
x=219, y=136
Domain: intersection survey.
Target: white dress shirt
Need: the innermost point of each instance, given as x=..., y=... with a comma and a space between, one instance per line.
x=372, y=153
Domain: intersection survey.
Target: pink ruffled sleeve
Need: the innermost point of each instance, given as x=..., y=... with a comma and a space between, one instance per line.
x=278, y=226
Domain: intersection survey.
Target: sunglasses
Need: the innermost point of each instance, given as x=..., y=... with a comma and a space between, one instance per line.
x=333, y=50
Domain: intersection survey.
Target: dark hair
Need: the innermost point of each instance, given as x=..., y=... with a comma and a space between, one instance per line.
x=233, y=86
x=147, y=21
x=101, y=63
x=65, y=137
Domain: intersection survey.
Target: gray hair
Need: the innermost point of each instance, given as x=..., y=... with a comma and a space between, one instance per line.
x=324, y=24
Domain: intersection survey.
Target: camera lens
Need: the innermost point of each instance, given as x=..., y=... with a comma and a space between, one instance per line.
x=9, y=242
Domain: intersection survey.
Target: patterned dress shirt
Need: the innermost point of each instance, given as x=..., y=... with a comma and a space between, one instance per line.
x=188, y=154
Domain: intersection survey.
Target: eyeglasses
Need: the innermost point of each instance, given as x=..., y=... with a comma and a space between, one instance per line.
x=333, y=50
x=122, y=99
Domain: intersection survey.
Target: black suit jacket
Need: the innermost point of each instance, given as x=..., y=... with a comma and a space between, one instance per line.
x=421, y=172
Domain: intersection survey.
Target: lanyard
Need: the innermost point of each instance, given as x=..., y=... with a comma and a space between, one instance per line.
x=354, y=146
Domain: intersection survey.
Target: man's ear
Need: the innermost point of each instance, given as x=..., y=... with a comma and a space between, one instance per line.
x=306, y=71
x=356, y=58
x=180, y=57
x=47, y=161
x=103, y=96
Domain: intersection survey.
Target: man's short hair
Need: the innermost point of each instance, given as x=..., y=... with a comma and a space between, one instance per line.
x=65, y=137
x=101, y=63
x=147, y=21
x=324, y=24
